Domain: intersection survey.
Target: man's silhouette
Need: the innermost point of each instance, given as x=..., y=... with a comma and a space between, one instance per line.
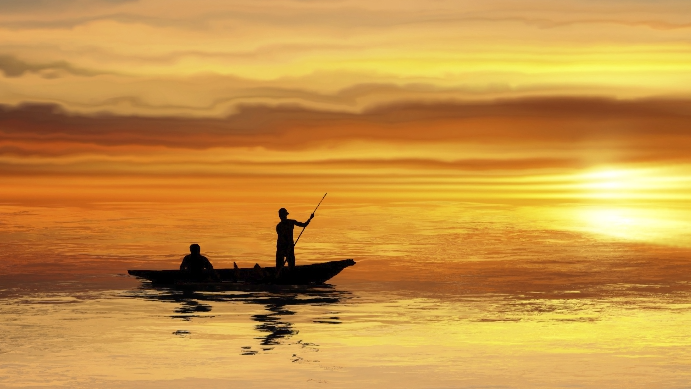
x=195, y=263
x=285, y=248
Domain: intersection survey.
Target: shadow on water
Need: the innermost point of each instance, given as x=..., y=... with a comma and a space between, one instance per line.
x=280, y=302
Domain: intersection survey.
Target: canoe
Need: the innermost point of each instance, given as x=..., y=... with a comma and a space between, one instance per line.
x=316, y=273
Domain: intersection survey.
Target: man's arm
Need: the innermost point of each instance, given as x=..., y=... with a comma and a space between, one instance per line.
x=185, y=264
x=305, y=224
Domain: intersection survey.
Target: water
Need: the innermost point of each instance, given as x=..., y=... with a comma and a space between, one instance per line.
x=443, y=296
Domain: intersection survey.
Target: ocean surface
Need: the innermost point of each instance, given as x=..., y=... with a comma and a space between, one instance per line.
x=443, y=295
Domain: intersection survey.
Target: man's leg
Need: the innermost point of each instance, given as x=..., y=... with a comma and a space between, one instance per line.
x=280, y=254
x=291, y=258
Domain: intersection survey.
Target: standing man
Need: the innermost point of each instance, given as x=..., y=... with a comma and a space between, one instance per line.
x=285, y=248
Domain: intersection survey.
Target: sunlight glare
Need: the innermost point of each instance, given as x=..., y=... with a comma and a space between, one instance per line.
x=615, y=183
x=661, y=226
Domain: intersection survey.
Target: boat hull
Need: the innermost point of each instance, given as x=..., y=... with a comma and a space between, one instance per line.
x=316, y=273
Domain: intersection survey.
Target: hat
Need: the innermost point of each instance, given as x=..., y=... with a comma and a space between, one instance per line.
x=282, y=211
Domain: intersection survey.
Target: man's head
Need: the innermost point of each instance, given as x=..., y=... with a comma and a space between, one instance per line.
x=283, y=213
x=194, y=248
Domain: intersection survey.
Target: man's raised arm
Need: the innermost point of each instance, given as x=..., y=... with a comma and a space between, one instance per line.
x=297, y=223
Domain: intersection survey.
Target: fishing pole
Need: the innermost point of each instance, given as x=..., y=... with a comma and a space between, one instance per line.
x=303, y=228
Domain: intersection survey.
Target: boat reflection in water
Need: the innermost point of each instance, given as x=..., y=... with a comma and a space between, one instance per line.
x=280, y=302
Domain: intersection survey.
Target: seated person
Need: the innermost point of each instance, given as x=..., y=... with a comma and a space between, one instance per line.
x=196, y=263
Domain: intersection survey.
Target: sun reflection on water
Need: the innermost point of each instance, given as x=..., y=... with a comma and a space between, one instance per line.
x=658, y=224
x=643, y=223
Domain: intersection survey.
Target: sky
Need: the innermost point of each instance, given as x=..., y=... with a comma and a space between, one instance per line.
x=493, y=101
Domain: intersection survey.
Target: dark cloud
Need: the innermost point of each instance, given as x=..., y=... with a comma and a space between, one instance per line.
x=640, y=130
x=50, y=5
x=13, y=67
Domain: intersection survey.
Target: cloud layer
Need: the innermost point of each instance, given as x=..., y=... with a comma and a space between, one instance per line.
x=172, y=58
x=416, y=98
x=652, y=128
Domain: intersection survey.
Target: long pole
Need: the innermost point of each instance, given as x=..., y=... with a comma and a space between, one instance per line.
x=303, y=228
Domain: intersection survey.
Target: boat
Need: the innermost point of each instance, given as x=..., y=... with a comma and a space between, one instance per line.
x=316, y=273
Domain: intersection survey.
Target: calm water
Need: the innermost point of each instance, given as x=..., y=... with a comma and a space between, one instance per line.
x=442, y=296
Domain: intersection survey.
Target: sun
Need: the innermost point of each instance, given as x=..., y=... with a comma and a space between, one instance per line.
x=613, y=184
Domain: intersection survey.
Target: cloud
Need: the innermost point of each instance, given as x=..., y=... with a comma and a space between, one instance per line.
x=595, y=129
x=13, y=67
x=180, y=58
x=348, y=17
x=15, y=6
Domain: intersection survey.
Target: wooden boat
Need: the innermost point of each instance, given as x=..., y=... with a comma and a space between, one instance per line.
x=316, y=273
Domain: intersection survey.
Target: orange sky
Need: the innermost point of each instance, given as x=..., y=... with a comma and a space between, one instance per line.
x=109, y=100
